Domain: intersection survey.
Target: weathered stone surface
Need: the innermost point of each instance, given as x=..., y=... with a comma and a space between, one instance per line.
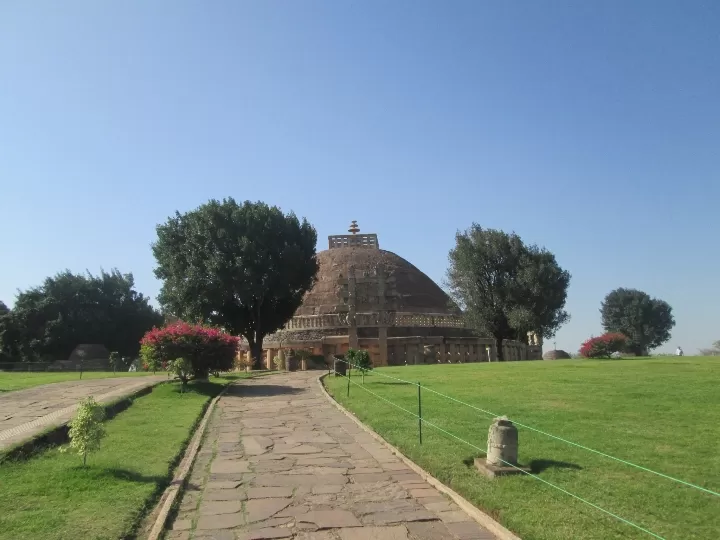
x=225, y=521
x=182, y=525
x=299, y=480
x=266, y=534
x=294, y=467
x=398, y=532
x=330, y=519
x=256, y=445
x=225, y=495
x=213, y=508
x=260, y=509
x=229, y=467
x=269, y=492
x=429, y=530
x=469, y=530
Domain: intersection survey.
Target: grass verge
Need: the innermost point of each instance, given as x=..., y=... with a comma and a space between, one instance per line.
x=51, y=496
x=658, y=413
x=19, y=380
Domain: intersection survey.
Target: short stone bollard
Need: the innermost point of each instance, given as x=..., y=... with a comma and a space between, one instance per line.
x=502, y=450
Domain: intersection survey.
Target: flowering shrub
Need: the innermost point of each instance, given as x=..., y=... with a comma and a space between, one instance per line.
x=603, y=346
x=208, y=350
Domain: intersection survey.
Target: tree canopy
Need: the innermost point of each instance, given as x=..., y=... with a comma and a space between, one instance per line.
x=244, y=267
x=644, y=320
x=506, y=288
x=49, y=321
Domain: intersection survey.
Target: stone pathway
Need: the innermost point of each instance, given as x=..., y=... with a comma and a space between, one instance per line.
x=279, y=461
x=28, y=413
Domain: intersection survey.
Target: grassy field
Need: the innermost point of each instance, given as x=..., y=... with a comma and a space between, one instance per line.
x=663, y=414
x=51, y=496
x=18, y=380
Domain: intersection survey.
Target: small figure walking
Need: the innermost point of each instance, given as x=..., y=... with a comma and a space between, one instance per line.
x=679, y=352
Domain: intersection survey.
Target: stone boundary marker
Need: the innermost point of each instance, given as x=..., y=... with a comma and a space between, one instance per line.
x=27, y=432
x=173, y=490
x=481, y=517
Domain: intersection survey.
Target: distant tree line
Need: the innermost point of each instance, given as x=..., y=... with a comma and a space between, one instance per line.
x=47, y=322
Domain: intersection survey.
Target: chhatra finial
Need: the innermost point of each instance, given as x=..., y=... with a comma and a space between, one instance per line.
x=354, y=229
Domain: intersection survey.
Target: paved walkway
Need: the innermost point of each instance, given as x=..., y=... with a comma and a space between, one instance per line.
x=280, y=461
x=27, y=413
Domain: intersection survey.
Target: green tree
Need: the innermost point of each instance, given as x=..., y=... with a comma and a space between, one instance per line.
x=242, y=267
x=644, y=320
x=713, y=351
x=86, y=428
x=4, y=321
x=506, y=288
x=49, y=321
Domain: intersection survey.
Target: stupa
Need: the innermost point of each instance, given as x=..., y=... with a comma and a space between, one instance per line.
x=366, y=297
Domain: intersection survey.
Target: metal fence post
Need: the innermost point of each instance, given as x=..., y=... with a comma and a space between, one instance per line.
x=419, y=413
x=349, y=372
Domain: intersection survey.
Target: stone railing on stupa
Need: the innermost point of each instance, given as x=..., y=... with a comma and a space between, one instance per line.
x=376, y=319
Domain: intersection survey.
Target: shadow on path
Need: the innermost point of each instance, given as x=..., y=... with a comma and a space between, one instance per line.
x=263, y=390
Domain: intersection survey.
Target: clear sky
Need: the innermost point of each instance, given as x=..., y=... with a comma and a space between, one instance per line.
x=592, y=128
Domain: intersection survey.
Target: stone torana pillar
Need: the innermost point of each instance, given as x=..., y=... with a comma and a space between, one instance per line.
x=352, y=306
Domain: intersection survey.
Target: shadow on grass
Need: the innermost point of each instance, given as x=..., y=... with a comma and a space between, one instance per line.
x=393, y=383
x=536, y=466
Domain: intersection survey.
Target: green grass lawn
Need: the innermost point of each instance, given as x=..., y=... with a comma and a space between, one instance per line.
x=663, y=414
x=51, y=496
x=18, y=380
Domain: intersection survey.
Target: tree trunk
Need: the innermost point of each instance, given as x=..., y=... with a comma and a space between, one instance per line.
x=499, y=347
x=256, y=353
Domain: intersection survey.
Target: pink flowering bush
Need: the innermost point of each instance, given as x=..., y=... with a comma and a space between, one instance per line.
x=209, y=350
x=603, y=346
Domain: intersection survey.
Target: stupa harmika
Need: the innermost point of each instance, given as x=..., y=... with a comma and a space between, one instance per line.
x=373, y=299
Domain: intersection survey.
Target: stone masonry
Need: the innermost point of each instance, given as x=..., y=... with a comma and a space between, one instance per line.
x=279, y=461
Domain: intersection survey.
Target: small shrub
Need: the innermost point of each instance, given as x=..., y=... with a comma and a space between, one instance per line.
x=603, y=346
x=278, y=363
x=360, y=359
x=149, y=355
x=86, y=429
x=183, y=370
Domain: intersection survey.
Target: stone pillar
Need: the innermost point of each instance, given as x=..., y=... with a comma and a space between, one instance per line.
x=453, y=353
x=283, y=363
x=442, y=353
x=382, y=346
x=502, y=443
x=382, y=316
x=352, y=305
x=303, y=363
x=269, y=359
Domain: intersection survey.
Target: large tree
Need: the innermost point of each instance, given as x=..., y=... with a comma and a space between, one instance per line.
x=506, y=288
x=242, y=267
x=644, y=320
x=47, y=322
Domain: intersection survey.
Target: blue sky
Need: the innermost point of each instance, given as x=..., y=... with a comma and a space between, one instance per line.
x=592, y=128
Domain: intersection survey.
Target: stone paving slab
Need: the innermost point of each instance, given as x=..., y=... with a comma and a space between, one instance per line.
x=25, y=414
x=279, y=461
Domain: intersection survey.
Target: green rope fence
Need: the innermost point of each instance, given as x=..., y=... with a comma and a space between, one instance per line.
x=471, y=445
